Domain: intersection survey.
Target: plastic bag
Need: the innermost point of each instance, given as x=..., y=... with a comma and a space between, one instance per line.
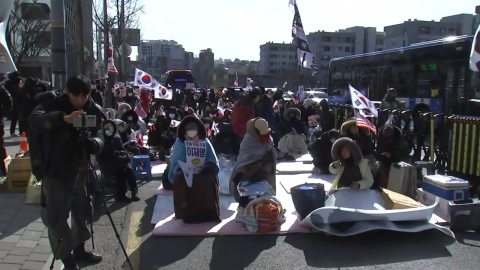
x=34, y=190
x=224, y=180
x=256, y=189
x=225, y=161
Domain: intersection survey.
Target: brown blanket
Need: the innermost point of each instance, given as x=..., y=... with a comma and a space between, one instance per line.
x=199, y=203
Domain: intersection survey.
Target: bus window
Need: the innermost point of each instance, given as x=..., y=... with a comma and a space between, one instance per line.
x=428, y=79
x=402, y=79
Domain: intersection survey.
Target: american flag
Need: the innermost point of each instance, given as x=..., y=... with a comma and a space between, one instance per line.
x=236, y=80
x=363, y=122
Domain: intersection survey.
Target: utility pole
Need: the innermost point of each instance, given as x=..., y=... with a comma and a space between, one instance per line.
x=106, y=45
x=59, y=51
x=79, y=46
x=123, y=56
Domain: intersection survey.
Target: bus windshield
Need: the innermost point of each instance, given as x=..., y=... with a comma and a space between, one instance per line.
x=179, y=79
x=434, y=75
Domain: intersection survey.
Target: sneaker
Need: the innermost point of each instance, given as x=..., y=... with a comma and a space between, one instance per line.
x=316, y=171
x=82, y=256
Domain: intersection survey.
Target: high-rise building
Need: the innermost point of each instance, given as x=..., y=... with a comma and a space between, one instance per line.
x=206, y=65
x=163, y=55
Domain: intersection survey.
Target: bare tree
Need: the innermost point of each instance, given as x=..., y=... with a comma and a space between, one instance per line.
x=27, y=30
x=133, y=10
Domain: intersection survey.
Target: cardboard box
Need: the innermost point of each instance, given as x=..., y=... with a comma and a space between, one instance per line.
x=395, y=200
x=18, y=174
x=442, y=209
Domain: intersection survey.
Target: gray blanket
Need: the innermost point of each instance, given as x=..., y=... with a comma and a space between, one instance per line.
x=251, y=151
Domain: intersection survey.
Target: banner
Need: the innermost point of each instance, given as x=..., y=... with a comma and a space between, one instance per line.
x=196, y=154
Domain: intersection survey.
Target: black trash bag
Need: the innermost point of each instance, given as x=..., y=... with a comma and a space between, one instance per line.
x=307, y=198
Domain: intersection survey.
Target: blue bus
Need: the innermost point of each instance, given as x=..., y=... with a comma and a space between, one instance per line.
x=429, y=76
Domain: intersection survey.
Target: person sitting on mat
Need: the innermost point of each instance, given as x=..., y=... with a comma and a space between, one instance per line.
x=193, y=171
x=391, y=148
x=351, y=168
x=257, y=153
x=320, y=151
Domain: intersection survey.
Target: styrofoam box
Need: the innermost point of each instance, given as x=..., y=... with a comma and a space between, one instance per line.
x=442, y=209
x=446, y=187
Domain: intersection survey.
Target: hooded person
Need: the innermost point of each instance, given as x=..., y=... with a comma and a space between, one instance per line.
x=115, y=160
x=320, y=150
x=351, y=168
x=390, y=101
x=307, y=110
x=257, y=156
x=293, y=143
x=391, y=148
x=293, y=121
x=327, y=117
x=243, y=111
x=196, y=201
x=362, y=137
x=122, y=108
x=131, y=98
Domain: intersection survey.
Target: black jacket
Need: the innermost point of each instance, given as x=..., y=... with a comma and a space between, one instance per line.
x=6, y=102
x=60, y=140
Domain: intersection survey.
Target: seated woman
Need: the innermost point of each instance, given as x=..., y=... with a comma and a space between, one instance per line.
x=122, y=108
x=363, y=138
x=257, y=156
x=320, y=151
x=114, y=160
x=351, y=168
x=391, y=148
x=198, y=202
x=226, y=142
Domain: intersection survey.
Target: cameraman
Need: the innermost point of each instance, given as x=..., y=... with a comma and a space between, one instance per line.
x=62, y=192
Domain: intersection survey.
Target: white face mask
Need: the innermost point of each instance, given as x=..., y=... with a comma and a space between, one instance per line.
x=124, y=110
x=192, y=133
x=130, y=94
x=171, y=115
x=108, y=132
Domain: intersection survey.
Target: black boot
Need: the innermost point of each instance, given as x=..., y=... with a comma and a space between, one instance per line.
x=135, y=197
x=80, y=255
x=69, y=263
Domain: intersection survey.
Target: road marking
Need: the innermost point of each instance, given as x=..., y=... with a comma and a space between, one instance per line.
x=134, y=240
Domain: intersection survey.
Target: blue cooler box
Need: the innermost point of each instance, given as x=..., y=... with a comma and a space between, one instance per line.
x=447, y=187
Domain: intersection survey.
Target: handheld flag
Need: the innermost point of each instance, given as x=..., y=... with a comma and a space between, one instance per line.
x=144, y=80
x=359, y=101
x=363, y=122
x=475, y=52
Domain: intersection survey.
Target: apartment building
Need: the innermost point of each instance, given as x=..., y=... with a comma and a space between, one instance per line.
x=415, y=31
x=277, y=59
x=163, y=55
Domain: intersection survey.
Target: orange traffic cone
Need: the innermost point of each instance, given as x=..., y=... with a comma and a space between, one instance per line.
x=24, y=143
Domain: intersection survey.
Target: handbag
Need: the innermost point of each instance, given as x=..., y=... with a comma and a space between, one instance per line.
x=307, y=198
x=34, y=191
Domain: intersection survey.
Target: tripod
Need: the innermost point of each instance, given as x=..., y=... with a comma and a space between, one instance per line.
x=83, y=174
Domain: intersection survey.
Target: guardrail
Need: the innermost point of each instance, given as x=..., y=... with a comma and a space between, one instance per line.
x=454, y=139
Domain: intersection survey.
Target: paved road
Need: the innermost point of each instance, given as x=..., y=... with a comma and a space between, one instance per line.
x=377, y=250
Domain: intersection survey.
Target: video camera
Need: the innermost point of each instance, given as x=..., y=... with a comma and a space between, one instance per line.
x=85, y=121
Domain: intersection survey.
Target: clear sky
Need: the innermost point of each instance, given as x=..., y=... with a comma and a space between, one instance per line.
x=236, y=28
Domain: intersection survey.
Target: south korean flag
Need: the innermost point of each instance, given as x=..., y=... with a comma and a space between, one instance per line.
x=304, y=53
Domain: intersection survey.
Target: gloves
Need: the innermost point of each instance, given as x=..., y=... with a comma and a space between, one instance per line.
x=91, y=146
x=207, y=170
